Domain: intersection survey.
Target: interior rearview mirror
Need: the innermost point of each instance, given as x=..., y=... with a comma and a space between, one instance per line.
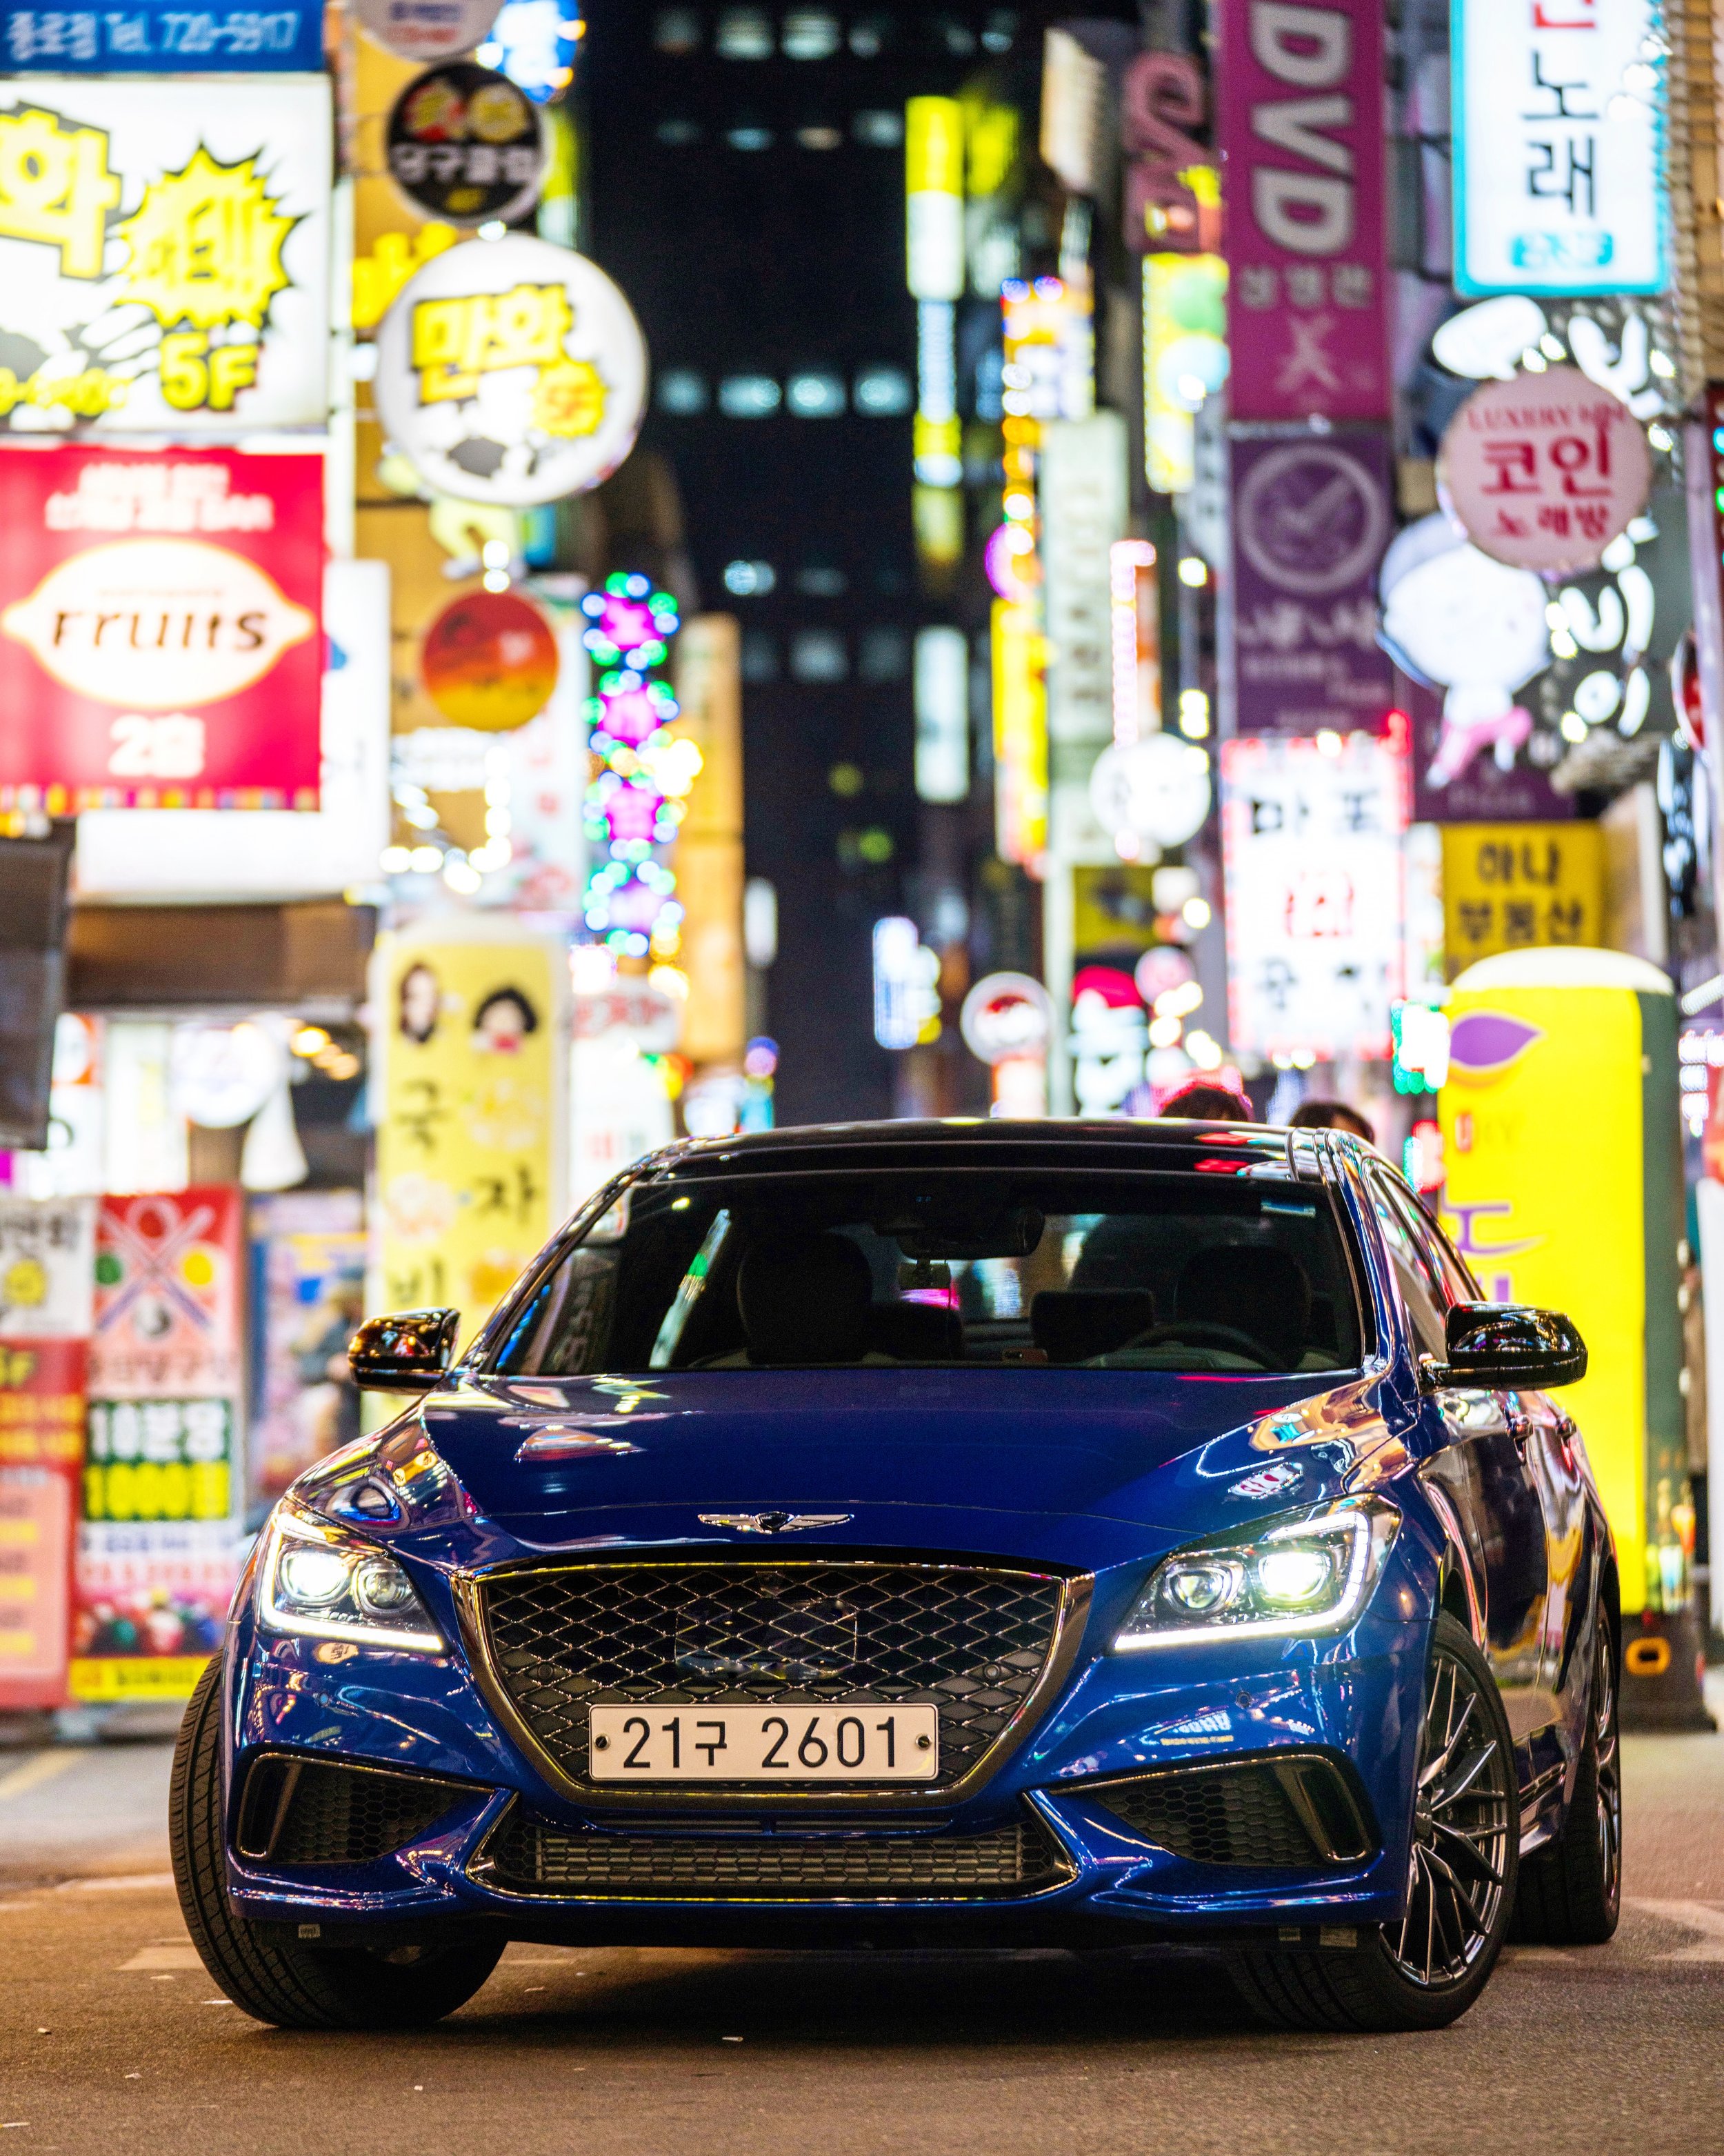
x=1509, y=1345
x=407, y=1352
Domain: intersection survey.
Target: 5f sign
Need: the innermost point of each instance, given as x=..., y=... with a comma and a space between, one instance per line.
x=1557, y=131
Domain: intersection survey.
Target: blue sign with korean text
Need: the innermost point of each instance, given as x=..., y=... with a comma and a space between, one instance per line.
x=157, y=38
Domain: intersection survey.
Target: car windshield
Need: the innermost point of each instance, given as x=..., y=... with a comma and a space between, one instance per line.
x=1145, y=1271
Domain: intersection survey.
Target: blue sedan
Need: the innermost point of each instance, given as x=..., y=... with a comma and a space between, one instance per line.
x=1092, y=1535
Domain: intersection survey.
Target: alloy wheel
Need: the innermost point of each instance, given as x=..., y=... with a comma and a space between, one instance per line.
x=1462, y=1818
x=1608, y=1753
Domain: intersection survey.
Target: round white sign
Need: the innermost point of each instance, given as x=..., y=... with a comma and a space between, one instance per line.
x=221, y=1075
x=1544, y=471
x=1156, y=789
x=428, y=30
x=1006, y=1015
x=511, y=370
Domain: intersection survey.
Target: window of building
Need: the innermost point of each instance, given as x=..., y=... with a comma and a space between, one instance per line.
x=760, y=656
x=815, y=396
x=947, y=34
x=879, y=131
x=870, y=35
x=748, y=396
x=682, y=391
x=820, y=580
x=677, y=30
x=749, y=137
x=745, y=34
x=883, y=655
x=818, y=654
x=883, y=391
x=1000, y=30
x=678, y=133
x=820, y=138
x=749, y=580
x=810, y=33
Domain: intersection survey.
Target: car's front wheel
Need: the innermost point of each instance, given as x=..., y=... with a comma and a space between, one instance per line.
x=1425, y=1970
x=295, y=1983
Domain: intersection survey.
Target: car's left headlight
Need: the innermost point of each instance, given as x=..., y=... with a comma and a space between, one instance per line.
x=318, y=1580
x=1311, y=1572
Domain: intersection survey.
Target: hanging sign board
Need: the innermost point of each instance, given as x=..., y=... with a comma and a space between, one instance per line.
x=512, y=371
x=1545, y=470
x=466, y=145
x=1519, y=886
x=1557, y=119
x=164, y=256
x=159, y=628
x=165, y=37
x=427, y=29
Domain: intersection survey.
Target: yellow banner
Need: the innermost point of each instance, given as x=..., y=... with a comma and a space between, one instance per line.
x=1517, y=886
x=471, y=1031
x=104, y=1678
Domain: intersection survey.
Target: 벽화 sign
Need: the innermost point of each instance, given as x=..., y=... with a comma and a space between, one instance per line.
x=159, y=620
x=164, y=258
x=1311, y=846
x=1557, y=119
x=512, y=371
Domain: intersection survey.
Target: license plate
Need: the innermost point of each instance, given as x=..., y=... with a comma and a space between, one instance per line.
x=764, y=1744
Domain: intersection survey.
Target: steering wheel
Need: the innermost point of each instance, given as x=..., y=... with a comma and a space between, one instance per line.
x=1205, y=1332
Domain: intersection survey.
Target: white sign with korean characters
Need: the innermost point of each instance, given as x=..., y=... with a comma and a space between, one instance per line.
x=1312, y=848
x=164, y=255
x=1558, y=185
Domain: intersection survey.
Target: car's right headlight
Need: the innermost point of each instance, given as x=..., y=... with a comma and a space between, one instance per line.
x=1306, y=1573
x=318, y=1580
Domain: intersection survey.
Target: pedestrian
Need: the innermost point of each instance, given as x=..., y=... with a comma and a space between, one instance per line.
x=1332, y=1116
x=1205, y=1101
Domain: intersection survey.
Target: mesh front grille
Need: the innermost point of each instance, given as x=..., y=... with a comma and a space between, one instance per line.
x=532, y=1857
x=300, y=1812
x=969, y=1642
x=1223, y=1815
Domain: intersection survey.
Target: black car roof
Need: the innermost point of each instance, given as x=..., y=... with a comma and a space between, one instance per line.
x=1048, y=1141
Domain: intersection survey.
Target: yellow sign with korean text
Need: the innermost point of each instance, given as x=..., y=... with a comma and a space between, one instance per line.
x=1564, y=1190
x=1520, y=887
x=470, y=1038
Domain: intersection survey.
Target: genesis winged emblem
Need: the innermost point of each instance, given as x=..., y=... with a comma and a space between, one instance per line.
x=774, y=1523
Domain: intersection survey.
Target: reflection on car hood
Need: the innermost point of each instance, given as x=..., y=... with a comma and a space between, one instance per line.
x=1067, y=1467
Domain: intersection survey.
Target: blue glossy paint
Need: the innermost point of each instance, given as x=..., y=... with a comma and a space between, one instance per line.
x=1095, y=1472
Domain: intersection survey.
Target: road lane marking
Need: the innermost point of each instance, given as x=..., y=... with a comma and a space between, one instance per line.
x=176, y=1957
x=118, y=1882
x=1706, y=1918
x=35, y=1772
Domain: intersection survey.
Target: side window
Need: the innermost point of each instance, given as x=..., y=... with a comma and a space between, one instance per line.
x=1421, y=1282
x=1461, y=1287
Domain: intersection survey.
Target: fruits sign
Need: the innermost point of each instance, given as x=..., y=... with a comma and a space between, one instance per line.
x=159, y=619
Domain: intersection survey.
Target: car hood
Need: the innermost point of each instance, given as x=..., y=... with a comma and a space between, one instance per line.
x=1082, y=1468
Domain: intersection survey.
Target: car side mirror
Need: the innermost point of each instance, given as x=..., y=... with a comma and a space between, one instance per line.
x=405, y=1352
x=1510, y=1345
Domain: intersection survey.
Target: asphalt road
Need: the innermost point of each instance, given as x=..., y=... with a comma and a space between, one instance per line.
x=112, y=2038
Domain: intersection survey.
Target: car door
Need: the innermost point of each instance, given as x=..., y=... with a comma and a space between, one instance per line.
x=1477, y=1468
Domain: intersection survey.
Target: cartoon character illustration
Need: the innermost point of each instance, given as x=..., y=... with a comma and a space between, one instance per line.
x=419, y=999
x=1455, y=619
x=503, y=1021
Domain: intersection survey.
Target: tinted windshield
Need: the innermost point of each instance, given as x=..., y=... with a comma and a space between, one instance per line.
x=1108, y=1271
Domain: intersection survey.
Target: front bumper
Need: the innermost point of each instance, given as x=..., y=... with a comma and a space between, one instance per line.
x=1348, y=1708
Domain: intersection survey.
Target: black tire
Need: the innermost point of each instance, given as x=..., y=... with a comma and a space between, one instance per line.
x=1386, y=1979
x=293, y=1984
x=1571, y=1890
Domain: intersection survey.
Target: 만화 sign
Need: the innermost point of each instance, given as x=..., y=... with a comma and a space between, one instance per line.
x=512, y=371
x=1311, y=847
x=1300, y=124
x=1557, y=119
x=164, y=256
x=159, y=628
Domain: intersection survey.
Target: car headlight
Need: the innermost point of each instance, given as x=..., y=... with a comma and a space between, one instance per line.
x=318, y=1580
x=1310, y=1573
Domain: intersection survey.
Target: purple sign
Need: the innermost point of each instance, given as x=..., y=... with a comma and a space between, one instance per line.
x=1310, y=520
x=1300, y=125
x=1458, y=774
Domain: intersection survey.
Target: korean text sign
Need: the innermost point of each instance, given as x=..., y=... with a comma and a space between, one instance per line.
x=159, y=628
x=471, y=1143
x=1300, y=121
x=164, y=255
x=1311, y=850
x=1557, y=180
x=1519, y=886
x=1311, y=516
x=164, y=37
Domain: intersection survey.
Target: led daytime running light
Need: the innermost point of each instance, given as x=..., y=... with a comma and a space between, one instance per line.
x=290, y=1528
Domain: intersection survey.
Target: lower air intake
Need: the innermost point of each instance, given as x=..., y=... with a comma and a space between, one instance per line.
x=311, y=1811
x=1287, y=1815
x=532, y=1857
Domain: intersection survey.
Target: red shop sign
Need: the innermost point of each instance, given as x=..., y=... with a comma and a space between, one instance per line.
x=161, y=632
x=1544, y=471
